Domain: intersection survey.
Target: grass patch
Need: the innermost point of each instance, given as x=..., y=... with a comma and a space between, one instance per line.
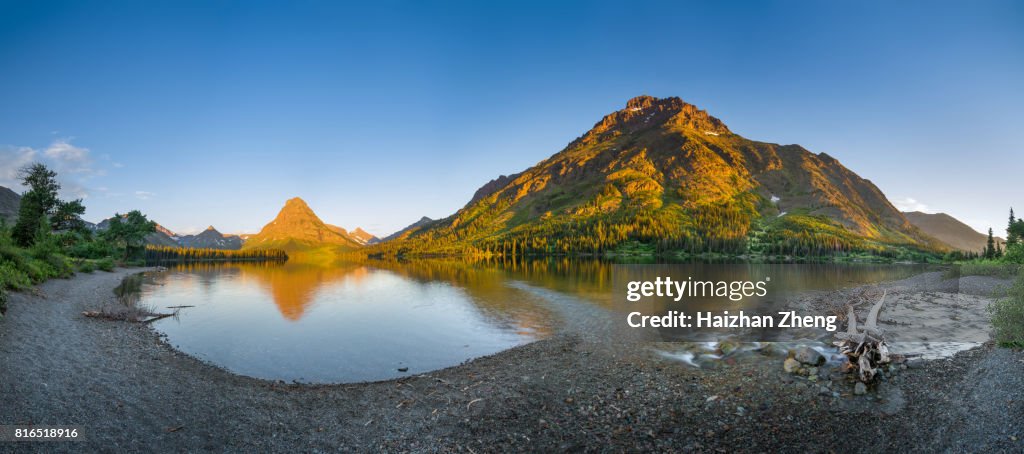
x=1008, y=316
x=989, y=268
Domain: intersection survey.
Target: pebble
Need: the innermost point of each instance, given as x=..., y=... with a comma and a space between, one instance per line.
x=790, y=365
x=808, y=355
x=860, y=389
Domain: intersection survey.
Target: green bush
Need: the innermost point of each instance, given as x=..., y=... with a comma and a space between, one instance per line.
x=95, y=249
x=988, y=268
x=12, y=277
x=1014, y=254
x=86, y=266
x=105, y=264
x=1008, y=316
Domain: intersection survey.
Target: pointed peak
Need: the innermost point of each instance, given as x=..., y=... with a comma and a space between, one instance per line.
x=211, y=228
x=296, y=201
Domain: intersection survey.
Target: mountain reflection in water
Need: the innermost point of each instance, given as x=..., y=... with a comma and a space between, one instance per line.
x=376, y=320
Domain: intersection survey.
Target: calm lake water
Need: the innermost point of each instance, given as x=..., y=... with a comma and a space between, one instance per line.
x=374, y=321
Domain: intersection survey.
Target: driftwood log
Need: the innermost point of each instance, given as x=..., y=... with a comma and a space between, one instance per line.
x=864, y=346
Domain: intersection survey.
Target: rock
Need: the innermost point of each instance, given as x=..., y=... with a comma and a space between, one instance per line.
x=860, y=389
x=812, y=378
x=915, y=363
x=790, y=365
x=772, y=349
x=403, y=369
x=824, y=391
x=812, y=371
x=727, y=347
x=808, y=355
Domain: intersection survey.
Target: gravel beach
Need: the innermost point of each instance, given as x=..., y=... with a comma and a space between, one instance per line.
x=135, y=393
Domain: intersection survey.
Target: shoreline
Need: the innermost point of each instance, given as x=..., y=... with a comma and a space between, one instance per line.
x=133, y=391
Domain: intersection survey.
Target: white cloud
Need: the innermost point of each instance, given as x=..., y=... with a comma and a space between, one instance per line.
x=63, y=152
x=911, y=204
x=13, y=159
x=74, y=166
x=144, y=195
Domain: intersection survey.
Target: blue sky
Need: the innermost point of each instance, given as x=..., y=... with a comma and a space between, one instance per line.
x=215, y=112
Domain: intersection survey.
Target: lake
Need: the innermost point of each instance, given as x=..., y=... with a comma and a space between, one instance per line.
x=354, y=322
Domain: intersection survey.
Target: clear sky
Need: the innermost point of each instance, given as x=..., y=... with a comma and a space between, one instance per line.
x=378, y=113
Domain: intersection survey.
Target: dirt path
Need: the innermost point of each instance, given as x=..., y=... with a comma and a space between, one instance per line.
x=134, y=393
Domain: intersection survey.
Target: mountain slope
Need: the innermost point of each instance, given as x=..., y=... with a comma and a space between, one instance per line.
x=949, y=230
x=298, y=228
x=211, y=239
x=10, y=202
x=363, y=237
x=663, y=171
x=401, y=234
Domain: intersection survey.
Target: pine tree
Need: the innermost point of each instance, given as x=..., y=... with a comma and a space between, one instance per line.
x=1011, y=231
x=990, y=246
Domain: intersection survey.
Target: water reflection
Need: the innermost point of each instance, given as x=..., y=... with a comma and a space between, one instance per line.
x=365, y=321
x=342, y=323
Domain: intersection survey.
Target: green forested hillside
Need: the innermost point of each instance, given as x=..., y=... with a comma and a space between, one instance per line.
x=665, y=173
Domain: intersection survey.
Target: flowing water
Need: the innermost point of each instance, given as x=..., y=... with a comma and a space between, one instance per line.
x=381, y=320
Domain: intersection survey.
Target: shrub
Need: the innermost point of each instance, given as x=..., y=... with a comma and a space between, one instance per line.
x=988, y=268
x=12, y=277
x=86, y=266
x=1008, y=316
x=105, y=264
x=1014, y=254
x=95, y=249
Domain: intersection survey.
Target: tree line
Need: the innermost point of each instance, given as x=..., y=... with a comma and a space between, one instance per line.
x=162, y=254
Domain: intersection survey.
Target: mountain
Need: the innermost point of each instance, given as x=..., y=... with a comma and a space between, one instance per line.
x=10, y=201
x=161, y=237
x=298, y=228
x=949, y=230
x=401, y=234
x=362, y=237
x=211, y=239
x=664, y=172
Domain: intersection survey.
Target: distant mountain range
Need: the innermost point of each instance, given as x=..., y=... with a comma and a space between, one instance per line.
x=659, y=171
x=950, y=231
x=211, y=239
x=664, y=172
x=207, y=239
